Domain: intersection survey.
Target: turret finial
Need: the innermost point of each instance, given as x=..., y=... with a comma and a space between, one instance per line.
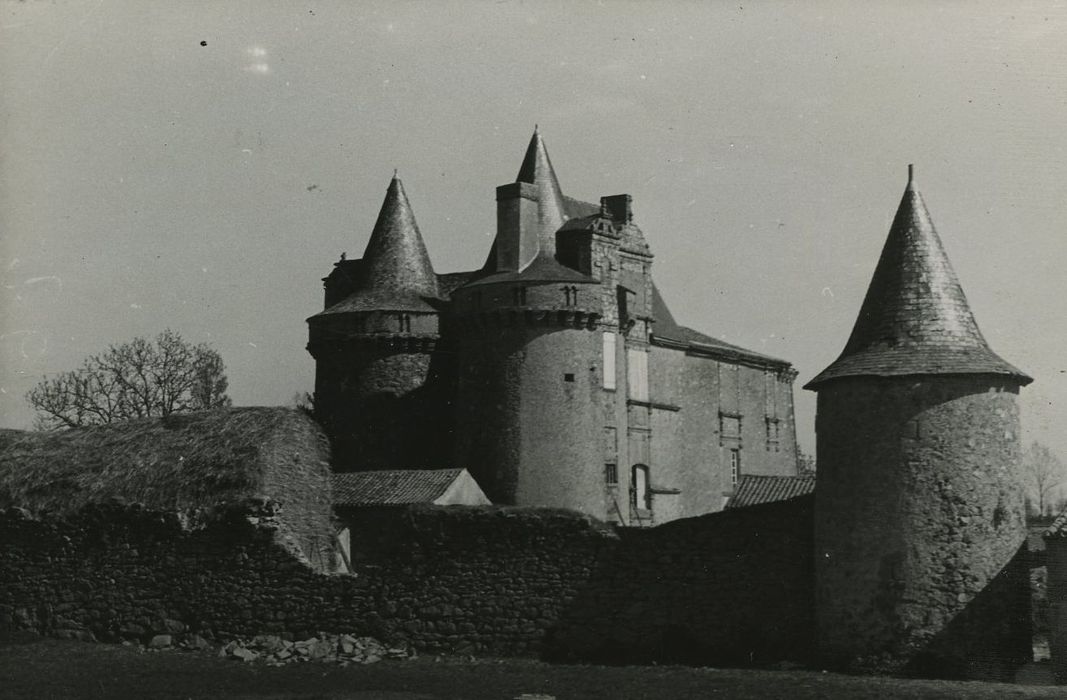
x=911, y=173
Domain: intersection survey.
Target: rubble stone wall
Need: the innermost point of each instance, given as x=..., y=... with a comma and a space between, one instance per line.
x=479, y=580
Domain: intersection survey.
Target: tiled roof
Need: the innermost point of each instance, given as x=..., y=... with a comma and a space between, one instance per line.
x=753, y=489
x=915, y=318
x=666, y=328
x=392, y=488
x=396, y=273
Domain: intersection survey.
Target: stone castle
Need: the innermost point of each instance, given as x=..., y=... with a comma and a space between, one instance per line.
x=557, y=376
x=555, y=373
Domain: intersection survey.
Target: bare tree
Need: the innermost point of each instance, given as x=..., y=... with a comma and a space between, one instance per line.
x=1044, y=472
x=138, y=379
x=805, y=464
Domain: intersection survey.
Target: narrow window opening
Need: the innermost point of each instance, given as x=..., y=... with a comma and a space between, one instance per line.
x=568, y=377
x=611, y=474
x=735, y=466
x=640, y=493
x=608, y=361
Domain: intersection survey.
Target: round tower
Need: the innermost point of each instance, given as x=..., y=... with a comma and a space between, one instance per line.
x=527, y=409
x=919, y=509
x=381, y=377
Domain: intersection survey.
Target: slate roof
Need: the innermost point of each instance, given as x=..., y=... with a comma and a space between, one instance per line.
x=915, y=318
x=451, y=281
x=753, y=489
x=537, y=170
x=542, y=269
x=396, y=274
x=392, y=487
x=666, y=328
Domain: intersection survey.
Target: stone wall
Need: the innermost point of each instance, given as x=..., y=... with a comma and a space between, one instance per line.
x=729, y=588
x=481, y=580
x=478, y=580
x=404, y=389
x=919, y=520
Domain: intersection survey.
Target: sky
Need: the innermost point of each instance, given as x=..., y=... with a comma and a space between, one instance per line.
x=200, y=166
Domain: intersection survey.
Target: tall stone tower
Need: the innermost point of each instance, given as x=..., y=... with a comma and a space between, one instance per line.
x=529, y=384
x=380, y=373
x=919, y=509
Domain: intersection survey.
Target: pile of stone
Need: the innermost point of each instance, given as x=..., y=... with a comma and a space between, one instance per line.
x=342, y=649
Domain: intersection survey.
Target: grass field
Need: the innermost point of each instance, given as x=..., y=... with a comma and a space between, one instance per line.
x=44, y=669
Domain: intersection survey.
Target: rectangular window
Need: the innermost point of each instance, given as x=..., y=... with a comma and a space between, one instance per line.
x=637, y=373
x=735, y=466
x=770, y=393
x=609, y=361
x=611, y=474
x=730, y=426
x=772, y=434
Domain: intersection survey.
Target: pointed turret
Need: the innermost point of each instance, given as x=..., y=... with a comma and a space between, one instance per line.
x=537, y=170
x=915, y=318
x=396, y=261
x=395, y=273
x=529, y=212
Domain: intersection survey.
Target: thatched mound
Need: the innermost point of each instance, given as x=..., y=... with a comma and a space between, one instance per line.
x=181, y=462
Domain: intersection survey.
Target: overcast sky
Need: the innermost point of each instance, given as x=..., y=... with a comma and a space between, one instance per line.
x=149, y=181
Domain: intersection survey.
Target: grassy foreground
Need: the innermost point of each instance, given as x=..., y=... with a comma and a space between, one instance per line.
x=61, y=669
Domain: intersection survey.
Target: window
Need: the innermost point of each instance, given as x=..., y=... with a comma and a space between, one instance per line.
x=773, y=428
x=611, y=474
x=570, y=295
x=518, y=296
x=640, y=492
x=770, y=394
x=637, y=374
x=404, y=322
x=735, y=466
x=730, y=426
x=568, y=377
x=609, y=361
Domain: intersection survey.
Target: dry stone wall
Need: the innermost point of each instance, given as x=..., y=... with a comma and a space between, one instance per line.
x=728, y=588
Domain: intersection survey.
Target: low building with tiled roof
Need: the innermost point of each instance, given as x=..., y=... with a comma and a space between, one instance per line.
x=753, y=489
x=555, y=371
x=404, y=487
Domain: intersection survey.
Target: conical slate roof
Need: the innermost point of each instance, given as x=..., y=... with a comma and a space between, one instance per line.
x=915, y=318
x=551, y=211
x=397, y=274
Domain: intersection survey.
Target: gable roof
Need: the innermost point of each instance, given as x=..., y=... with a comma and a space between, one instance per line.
x=392, y=487
x=915, y=318
x=753, y=489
